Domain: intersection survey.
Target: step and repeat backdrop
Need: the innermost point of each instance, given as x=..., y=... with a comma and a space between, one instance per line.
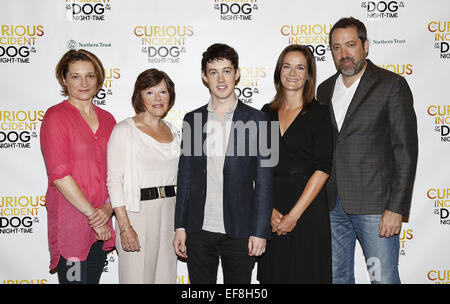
x=409, y=37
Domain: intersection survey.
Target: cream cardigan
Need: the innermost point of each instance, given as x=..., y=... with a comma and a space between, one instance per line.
x=123, y=171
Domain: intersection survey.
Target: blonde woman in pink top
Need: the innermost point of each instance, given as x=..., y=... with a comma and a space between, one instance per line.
x=74, y=137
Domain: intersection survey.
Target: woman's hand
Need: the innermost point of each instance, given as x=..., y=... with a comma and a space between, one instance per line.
x=103, y=233
x=275, y=219
x=287, y=224
x=128, y=236
x=129, y=239
x=312, y=189
x=100, y=216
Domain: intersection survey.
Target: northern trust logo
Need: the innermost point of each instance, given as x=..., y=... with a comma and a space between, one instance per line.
x=75, y=45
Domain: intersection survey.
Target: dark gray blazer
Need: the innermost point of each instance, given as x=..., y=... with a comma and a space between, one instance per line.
x=247, y=186
x=375, y=154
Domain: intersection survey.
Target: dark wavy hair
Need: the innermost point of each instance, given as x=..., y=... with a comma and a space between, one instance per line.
x=350, y=22
x=219, y=51
x=310, y=84
x=147, y=79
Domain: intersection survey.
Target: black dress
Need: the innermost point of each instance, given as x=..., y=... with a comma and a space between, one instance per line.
x=304, y=254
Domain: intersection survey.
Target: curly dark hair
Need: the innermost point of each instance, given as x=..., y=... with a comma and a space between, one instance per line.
x=219, y=51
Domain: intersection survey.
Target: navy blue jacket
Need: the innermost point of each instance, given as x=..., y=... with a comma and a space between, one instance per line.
x=247, y=188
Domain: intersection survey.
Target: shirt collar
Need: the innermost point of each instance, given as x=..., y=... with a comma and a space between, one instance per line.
x=210, y=106
x=340, y=83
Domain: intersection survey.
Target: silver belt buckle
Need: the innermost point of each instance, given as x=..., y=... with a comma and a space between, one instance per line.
x=162, y=192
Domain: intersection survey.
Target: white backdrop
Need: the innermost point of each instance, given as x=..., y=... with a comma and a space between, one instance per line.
x=409, y=37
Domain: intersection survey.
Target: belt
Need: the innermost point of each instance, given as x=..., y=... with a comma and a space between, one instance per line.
x=157, y=192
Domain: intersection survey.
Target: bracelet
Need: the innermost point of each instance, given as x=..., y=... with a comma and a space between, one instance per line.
x=121, y=232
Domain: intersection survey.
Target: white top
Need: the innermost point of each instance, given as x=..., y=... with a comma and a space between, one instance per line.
x=136, y=160
x=342, y=97
x=216, y=145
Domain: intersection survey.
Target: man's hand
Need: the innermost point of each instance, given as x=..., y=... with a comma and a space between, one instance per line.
x=390, y=224
x=256, y=246
x=179, y=243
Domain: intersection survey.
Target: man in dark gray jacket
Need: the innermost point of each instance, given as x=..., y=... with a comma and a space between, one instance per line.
x=375, y=156
x=224, y=186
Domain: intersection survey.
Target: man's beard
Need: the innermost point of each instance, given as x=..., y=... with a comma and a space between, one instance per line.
x=355, y=69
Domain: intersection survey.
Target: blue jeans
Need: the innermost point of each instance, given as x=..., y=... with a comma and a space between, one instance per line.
x=381, y=254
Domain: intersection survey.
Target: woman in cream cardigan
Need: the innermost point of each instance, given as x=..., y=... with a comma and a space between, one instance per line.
x=143, y=154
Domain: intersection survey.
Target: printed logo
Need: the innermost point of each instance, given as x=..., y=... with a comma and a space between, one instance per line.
x=26, y=281
x=175, y=116
x=241, y=10
x=248, y=83
x=109, y=261
x=18, y=42
x=102, y=96
x=382, y=42
x=315, y=36
x=74, y=45
x=87, y=10
x=441, y=203
x=183, y=279
x=441, y=115
x=439, y=276
x=405, y=237
x=441, y=31
x=18, y=214
x=400, y=69
x=163, y=44
x=379, y=10
x=18, y=129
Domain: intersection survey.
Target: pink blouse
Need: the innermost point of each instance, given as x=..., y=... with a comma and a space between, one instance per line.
x=71, y=148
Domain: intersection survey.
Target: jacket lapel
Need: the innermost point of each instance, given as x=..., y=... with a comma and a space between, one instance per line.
x=329, y=90
x=238, y=115
x=204, y=120
x=366, y=82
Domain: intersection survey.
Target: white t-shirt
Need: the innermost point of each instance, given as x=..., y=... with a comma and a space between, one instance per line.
x=342, y=97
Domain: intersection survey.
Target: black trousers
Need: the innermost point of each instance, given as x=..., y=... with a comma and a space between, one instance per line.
x=204, y=249
x=83, y=272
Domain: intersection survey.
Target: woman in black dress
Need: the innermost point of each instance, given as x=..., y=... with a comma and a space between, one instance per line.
x=300, y=248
